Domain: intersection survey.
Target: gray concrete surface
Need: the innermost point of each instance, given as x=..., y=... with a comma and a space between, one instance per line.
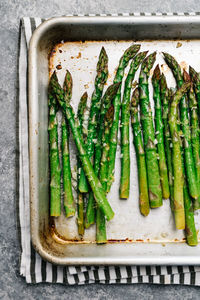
x=12, y=286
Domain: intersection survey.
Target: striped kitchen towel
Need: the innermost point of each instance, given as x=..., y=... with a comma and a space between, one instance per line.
x=32, y=267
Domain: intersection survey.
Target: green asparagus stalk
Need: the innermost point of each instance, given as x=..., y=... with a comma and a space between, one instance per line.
x=55, y=171
x=196, y=81
x=105, y=103
x=185, y=126
x=165, y=98
x=67, y=184
x=125, y=119
x=159, y=133
x=154, y=186
x=100, y=80
x=128, y=54
x=80, y=115
x=100, y=220
x=95, y=184
x=179, y=212
x=194, y=122
x=140, y=155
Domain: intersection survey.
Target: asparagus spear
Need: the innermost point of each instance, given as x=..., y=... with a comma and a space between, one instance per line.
x=95, y=184
x=194, y=132
x=67, y=184
x=189, y=160
x=100, y=80
x=177, y=158
x=100, y=220
x=155, y=192
x=165, y=98
x=196, y=81
x=190, y=230
x=80, y=115
x=140, y=155
x=128, y=54
x=159, y=133
x=125, y=118
x=105, y=103
x=55, y=171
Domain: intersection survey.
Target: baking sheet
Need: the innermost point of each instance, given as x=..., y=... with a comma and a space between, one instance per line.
x=80, y=58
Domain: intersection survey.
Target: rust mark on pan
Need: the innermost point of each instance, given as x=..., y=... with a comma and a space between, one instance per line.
x=52, y=53
x=59, y=67
x=112, y=241
x=79, y=55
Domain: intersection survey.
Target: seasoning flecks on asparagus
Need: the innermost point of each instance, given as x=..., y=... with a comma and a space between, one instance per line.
x=100, y=80
x=194, y=123
x=94, y=182
x=185, y=126
x=140, y=155
x=100, y=219
x=80, y=196
x=105, y=104
x=153, y=176
x=125, y=120
x=179, y=212
x=128, y=54
x=66, y=168
x=196, y=81
x=55, y=170
x=165, y=100
x=159, y=132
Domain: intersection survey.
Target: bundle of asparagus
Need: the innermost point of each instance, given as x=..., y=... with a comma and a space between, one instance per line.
x=168, y=157
x=94, y=182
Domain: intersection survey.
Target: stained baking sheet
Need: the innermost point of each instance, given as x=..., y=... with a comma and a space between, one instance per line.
x=80, y=58
x=140, y=240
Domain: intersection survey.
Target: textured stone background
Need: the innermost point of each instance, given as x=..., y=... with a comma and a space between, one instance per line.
x=12, y=286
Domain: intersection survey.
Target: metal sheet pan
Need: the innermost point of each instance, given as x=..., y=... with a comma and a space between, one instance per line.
x=133, y=238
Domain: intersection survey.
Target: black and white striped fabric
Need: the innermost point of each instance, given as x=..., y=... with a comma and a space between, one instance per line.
x=32, y=267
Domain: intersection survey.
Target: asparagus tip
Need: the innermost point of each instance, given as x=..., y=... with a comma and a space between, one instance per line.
x=54, y=76
x=109, y=115
x=193, y=74
x=148, y=62
x=130, y=52
x=186, y=76
x=103, y=51
x=67, y=85
x=156, y=73
x=52, y=80
x=85, y=95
